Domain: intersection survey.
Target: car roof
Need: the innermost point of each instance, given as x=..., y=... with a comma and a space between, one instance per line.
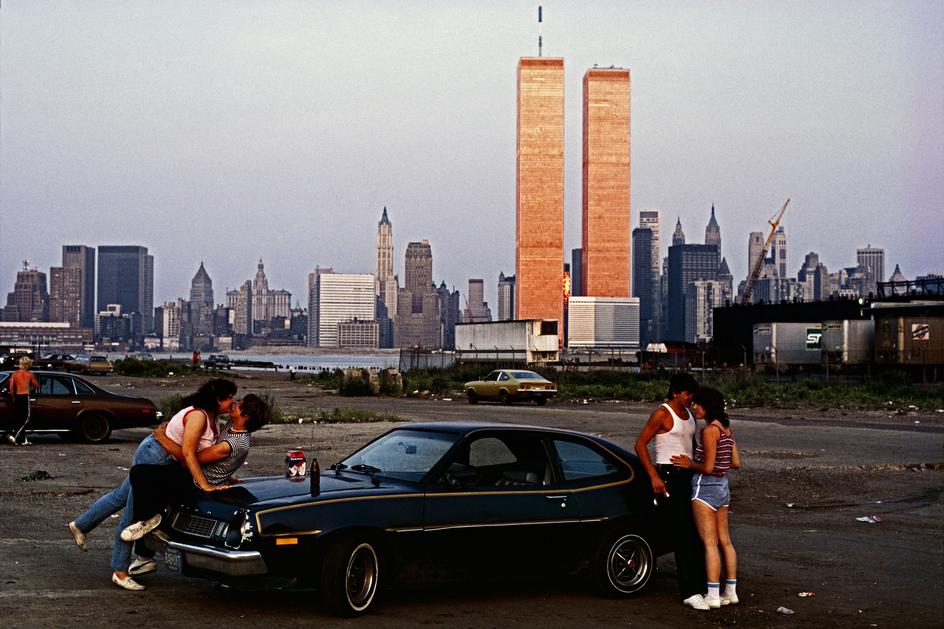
x=468, y=427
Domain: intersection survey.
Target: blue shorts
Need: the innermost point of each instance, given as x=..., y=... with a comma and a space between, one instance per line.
x=711, y=490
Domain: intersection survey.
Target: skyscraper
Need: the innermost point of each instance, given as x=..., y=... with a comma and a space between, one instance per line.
x=701, y=298
x=643, y=276
x=873, y=259
x=126, y=278
x=713, y=230
x=539, y=206
x=83, y=258
x=29, y=301
x=687, y=263
x=65, y=295
x=778, y=253
x=418, y=321
x=678, y=236
x=576, y=272
x=477, y=308
x=343, y=298
x=314, y=304
x=506, y=297
x=386, y=289
x=755, y=247
x=650, y=219
x=201, y=302
x=606, y=188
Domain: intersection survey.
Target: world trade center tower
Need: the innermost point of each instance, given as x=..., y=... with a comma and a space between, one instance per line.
x=606, y=159
x=539, y=207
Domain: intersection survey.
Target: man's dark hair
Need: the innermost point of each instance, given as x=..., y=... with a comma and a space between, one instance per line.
x=256, y=410
x=713, y=402
x=210, y=394
x=681, y=382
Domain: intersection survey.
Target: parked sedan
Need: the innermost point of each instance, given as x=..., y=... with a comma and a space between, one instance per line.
x=67, y=404
x=509, y=385
x=456, y=496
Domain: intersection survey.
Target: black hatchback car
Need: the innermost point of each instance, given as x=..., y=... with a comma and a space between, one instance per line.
x=70, y=405
x=453, y=494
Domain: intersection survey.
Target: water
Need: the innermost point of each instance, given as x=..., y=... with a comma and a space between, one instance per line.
x=298, y=362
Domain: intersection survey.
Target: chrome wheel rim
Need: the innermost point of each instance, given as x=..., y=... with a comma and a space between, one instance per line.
x=629, y=563
x=360, y=577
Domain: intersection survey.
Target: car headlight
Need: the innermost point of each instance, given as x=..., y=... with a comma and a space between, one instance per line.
x=239, y=531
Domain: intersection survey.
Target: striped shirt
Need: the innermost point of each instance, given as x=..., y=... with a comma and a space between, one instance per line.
x=220, y=471
x=723, y=453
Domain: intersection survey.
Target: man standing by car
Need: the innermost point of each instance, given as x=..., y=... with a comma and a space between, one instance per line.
x=22, y=382
x=671, y=428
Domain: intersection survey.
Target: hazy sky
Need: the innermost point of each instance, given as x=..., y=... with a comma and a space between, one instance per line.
x=226, y=131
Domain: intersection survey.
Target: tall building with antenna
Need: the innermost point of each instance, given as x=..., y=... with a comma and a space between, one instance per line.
x=539, y=203
x=606, y=179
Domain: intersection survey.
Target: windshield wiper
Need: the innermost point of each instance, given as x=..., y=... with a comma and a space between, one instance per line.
x=337, y=467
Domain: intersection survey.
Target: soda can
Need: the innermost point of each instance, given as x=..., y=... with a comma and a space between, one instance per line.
x=295, y=464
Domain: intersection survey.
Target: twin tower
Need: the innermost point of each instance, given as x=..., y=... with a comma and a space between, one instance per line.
x=539, y=209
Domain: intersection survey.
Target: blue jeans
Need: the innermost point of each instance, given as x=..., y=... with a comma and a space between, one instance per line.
x=149, y=452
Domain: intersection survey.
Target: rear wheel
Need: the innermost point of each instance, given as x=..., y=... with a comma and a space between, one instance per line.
x=350, y=574
x=94, y=428
x=473, y=396
x=541, y=401
x=623, y=564
x=503, y=397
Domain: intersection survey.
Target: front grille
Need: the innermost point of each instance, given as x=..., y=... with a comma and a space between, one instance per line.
x=198, y=526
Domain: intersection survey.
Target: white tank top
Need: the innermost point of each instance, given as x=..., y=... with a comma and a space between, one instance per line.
x=175, y=429
x=676, y=441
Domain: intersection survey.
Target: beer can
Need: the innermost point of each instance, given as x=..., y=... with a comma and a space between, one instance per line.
x=295, y=464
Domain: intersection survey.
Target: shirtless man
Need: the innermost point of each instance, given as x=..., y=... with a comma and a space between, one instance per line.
x=22, y=382
x=671, y=428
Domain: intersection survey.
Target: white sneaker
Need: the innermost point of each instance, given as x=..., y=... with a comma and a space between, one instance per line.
x=142, y=565
x=698, y=602
x=714, y=602
x=730, y=599
x=139, y=529
x=78, y=535
x=11, y=440
x=127, y=583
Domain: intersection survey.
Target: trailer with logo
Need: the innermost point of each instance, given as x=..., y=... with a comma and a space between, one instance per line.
x=783, y=345
x=848, y=343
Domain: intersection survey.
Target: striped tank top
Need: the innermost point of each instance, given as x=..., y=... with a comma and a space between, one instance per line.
x=722, y=455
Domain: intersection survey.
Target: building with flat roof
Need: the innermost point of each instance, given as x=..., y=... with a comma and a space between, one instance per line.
x=539, y=199
x=126, y=277
x=83, y=259
x=342, y=298
x=603, y=322
x=606, y=183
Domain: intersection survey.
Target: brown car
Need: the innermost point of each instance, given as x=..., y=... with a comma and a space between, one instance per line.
x=70, y=405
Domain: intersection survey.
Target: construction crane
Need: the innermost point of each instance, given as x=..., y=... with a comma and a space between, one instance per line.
x=759, y=262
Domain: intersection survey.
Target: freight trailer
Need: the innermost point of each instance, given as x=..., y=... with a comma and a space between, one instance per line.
x=520, y=341
x=783, y=345
x=909, y=335
x=848, y=342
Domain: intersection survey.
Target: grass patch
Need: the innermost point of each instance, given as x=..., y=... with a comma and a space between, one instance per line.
x=338, y=416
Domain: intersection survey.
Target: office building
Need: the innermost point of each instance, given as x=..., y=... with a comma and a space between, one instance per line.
x=539, y=200
x=778, y=253
x=239, y=303
x=83, y=259
x=314, y=304
x=687, y=263
x=678, y=236
x=713, y=230
x=126, y=277
x=701, y=298
x=387, y=283
x=344, y=298
x=29, y=301
x=201, y=303
x=65, y=295
x=643, y=278
x=603, y=323
x=755, y=248
x=651, y=219
x=267, y=303
x=358, y=334
x=873, y=259
x=506, y=297
x=477, y=310
x=418, y=322
x=449, y=314
x=576, y=271
x=606, y=183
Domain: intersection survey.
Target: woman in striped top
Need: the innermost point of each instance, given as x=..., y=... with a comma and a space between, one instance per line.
x=714, y=456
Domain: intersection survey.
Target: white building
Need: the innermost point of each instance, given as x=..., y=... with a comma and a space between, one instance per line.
x=701, y=298
x=603, y=322
x=341, y=298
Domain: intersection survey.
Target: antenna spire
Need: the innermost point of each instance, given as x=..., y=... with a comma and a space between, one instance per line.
x=540, y=30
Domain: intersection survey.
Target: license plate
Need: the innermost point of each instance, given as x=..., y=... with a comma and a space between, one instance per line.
x=173, y=560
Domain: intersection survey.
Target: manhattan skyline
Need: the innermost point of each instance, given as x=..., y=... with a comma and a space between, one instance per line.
x=226, y=132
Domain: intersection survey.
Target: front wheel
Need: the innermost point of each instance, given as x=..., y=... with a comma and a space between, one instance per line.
x=623, y=564
x=350, y=574
x=473, y=396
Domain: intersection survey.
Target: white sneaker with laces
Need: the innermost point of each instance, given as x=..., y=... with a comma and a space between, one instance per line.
x=139, y=529
x=713, y=602
x=127, y=583
x=698, y=602
x=730, y=599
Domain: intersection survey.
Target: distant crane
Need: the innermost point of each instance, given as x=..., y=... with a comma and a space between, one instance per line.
x=759, y=262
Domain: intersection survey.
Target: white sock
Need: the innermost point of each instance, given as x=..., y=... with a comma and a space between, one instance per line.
x=730, y=587
x=714, y=590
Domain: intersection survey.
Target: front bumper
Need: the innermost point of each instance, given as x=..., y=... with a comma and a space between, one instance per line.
x=234, y=563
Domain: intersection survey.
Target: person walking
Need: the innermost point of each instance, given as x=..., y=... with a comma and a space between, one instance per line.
x=715, y=454
x=22, y=383
x=671, y=429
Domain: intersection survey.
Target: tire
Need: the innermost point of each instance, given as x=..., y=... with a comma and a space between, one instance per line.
x=94, y=428
x=623, y=564
x=503, y=397
x=473, y=396
x=541, y=401
x=350, y=573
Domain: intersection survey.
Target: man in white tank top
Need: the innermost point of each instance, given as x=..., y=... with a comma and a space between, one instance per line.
x=671, y=428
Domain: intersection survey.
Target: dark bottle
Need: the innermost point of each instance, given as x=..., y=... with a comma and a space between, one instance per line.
x=315, y=475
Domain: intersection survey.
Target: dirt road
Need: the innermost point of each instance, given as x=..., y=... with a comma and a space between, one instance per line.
x=807, y=477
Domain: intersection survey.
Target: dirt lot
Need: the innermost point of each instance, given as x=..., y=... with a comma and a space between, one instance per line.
x=807, y=477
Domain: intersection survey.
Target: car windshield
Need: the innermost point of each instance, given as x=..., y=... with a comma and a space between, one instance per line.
x=526, y=375
x=402, y=454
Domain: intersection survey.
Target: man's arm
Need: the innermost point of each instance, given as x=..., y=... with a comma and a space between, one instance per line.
x=654, y=426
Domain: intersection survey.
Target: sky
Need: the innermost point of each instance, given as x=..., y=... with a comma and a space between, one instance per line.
x=228, y=131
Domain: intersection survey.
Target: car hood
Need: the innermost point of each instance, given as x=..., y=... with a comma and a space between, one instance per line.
x=270, y=491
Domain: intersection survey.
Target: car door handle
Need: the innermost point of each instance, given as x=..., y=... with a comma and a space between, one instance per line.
x=76, y=401
x=563, y=500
